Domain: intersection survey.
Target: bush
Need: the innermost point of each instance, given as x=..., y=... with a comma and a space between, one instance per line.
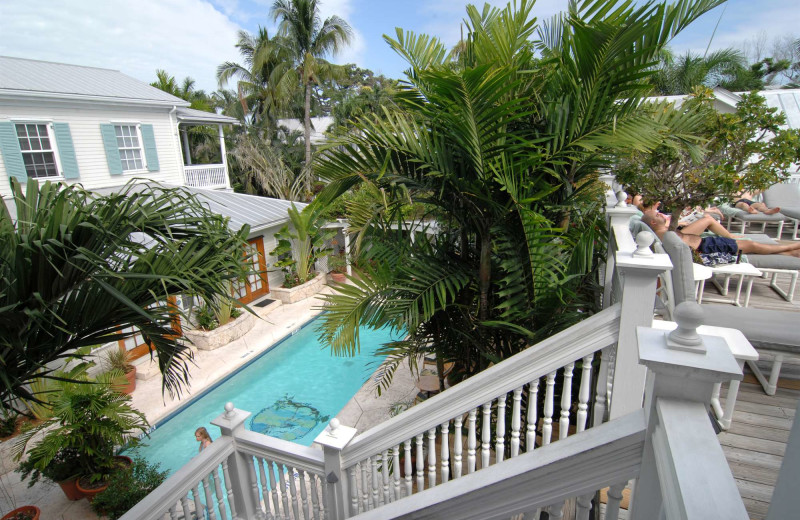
x=127, y=487
x=205, y=318
x=64, y=466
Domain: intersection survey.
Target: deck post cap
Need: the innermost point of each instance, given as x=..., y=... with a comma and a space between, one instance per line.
x=688, y=315
x=229, y=409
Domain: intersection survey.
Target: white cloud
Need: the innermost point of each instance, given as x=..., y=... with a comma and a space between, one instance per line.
x=353, y=53
x=183, y=37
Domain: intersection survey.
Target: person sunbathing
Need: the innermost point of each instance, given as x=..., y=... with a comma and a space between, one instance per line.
x=747, y=204
x=690, y=227
x=719, y=244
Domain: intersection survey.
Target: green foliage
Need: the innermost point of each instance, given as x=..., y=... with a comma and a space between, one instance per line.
x=63, y=466
x=303, y=244
x=117, y=359
x=207, y=318
x=8, y=422
x=76, y=272
x=127, y=487
x=723, y=154
x=499, y=149
x=89, y=421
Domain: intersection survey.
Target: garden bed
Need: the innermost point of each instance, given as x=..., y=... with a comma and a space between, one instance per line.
x=221, y=336
x=301, y=292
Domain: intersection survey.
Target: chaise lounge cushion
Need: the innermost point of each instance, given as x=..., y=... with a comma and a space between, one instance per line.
x=785, y=196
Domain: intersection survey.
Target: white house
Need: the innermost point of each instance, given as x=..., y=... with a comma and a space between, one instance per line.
x=101, y=128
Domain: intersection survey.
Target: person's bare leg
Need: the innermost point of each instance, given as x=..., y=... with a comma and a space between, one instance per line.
x=706, y=223
x=749, y=246
x=763, y=208
x=745, y=207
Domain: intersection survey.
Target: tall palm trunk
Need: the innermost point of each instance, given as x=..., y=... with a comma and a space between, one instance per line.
x=307, y=124
x=484, y=274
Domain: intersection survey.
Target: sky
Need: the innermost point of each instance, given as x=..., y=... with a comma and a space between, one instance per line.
x=192, y=37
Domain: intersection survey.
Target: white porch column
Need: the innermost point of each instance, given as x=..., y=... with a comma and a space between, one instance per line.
x=187, y=152
x=638, y=297
x=684, y=473
x=333, y=439
x=347, y=250
x=230, y=423
x=223, y=155
x=615, y=217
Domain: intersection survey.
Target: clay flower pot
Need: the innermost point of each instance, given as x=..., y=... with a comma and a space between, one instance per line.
x=130, y=377
x=23, y=513
x=70, y=489
x=338, y=277
x=92, y=489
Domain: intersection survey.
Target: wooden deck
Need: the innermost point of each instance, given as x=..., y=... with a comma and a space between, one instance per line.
x=756, y=441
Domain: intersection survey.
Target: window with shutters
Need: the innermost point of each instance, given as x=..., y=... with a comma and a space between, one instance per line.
x=37, y=143
x=129, y=142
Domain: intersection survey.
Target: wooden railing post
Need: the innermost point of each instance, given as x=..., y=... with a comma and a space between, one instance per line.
x=333, y=439
x=640, y=272
x=230, y=424
x=682, y=454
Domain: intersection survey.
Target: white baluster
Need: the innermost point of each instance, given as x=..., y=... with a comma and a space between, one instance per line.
x=547, y=427
x=353, y=489
x=257, y=461
x=365, y=485
x=601, y=389
x=375, y=484
x=431, y=457
x=396, y=472
x=457, y=446
x=420, y=464
x=486, y=435
x=500, y=432
x=533, y=403
x=566, y=402
x=273, y=484
x=304, y=493
x=584, y=504
x=407, y=469
x=515, y=421
x=445, y=452
x=220, y=496
x=471, y=440
x=185, y=506
x=198, y=503
x=583, y=393
x=614, y=499
x=173, y=514
x=284, y=491
x=385, y=474
x=556, y=511
x=229, y=491
x=212, y=515
x=315, y=494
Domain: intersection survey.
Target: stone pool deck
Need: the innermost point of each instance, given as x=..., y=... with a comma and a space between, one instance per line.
x=277, y=321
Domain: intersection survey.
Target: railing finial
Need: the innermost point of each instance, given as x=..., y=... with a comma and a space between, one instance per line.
x=621, y=198
x=688, y=315
x=643, y=242
x=229, y=409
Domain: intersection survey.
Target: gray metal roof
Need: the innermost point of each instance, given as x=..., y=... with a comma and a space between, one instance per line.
x=257, y=212
x=58, y=80
x=190, y=115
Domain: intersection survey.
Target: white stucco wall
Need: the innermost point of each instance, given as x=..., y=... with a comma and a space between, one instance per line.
x=84, y=124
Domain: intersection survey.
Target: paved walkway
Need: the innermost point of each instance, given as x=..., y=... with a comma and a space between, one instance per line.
x=365, y=410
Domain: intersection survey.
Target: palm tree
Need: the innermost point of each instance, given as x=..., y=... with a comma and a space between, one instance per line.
x=80, y=270
x=500, y=150
x=266, y=79
x=310, y=39
x=679, y=75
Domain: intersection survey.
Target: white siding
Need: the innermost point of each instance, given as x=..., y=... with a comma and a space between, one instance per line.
x=274, y=274
x=84, y=124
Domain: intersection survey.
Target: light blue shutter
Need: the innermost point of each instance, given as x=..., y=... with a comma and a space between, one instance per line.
x=112, y=150
x=12, y=155
x=150, y=153
x=66, y=151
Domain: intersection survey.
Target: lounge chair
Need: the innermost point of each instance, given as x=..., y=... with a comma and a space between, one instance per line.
x=736, y=217
x=787, y=197
x=772, y=333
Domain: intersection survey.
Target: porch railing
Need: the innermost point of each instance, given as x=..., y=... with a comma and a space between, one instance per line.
x=206, y=176
x=501, y=442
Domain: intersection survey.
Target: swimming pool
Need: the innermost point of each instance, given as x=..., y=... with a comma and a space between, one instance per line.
x=292, y=390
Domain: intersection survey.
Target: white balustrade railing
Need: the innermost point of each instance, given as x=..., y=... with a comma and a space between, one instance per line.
x=206, y=176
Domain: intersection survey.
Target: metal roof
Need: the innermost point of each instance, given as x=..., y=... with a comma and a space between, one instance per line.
x=22, y=77
x=257, y=212
x=200, y=117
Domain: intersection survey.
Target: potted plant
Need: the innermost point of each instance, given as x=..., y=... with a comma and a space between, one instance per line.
x=62, y=469
x=338, y=266
x=23, y=513
x=120, y=360
x=91, y=420
x=127, y=487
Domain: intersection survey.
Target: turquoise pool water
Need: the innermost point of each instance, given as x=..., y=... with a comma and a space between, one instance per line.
x=292, y=390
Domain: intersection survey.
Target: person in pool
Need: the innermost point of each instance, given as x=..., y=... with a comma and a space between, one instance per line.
x=202, y=436
x=717, y=244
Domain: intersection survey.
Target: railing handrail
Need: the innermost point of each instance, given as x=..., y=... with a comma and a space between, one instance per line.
x=580, y=464
x=174, y=488
x=191, y=167
x=278, y=450
x=586, y=337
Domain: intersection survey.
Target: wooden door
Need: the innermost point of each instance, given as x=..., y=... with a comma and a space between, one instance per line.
x=137, y=347
x=256, y=284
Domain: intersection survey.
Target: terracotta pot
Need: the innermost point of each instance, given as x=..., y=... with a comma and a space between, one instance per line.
x=70, y=489
x=130, y=376
x=92, y=489
x=338, y=277
x=26, y=512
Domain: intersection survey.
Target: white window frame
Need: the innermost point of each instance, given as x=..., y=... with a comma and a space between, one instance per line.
x=51, y=136
x=138, y=127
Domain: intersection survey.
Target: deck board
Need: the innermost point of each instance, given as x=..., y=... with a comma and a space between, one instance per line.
x=755, y=443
